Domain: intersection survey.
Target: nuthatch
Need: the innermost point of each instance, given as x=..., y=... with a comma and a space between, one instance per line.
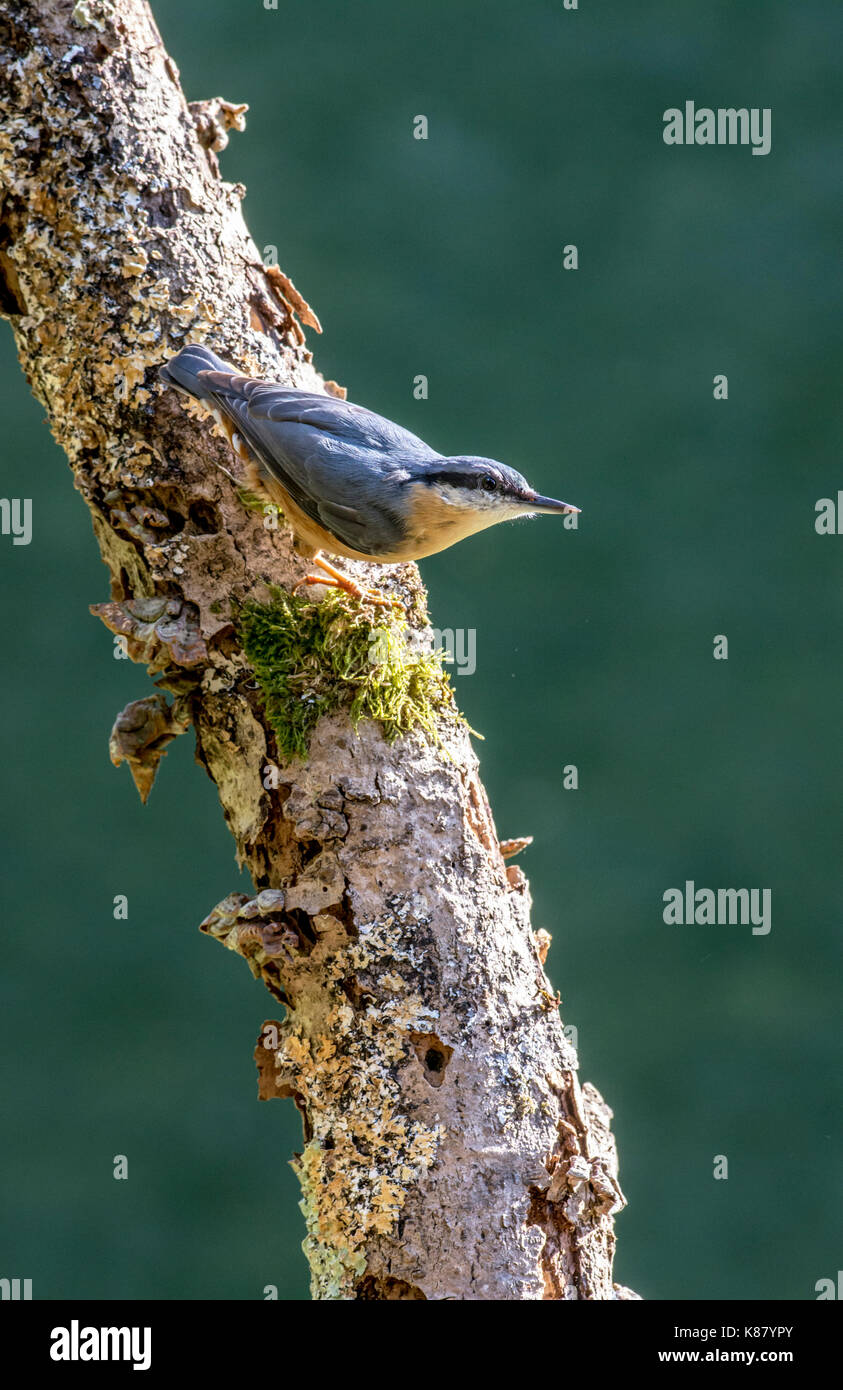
x=348, y=481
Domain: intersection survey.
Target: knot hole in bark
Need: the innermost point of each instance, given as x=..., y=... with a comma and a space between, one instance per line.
x=433, y=1054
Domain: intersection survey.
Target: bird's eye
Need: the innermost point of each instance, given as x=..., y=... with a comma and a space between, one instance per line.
x=488, y=483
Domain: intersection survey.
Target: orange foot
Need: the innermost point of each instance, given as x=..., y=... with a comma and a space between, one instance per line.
x=335, y=579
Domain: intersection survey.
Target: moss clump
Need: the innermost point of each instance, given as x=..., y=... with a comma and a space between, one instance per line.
x=313, y=658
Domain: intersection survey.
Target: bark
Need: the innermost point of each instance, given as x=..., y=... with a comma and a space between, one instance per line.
x=450, y=1151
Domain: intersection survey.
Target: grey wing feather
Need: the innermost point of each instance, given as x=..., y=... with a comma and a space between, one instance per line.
x=335, y=459
x=377, y=531
x=285, y=405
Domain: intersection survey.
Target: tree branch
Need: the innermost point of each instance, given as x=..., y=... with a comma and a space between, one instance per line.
x=450, y=1151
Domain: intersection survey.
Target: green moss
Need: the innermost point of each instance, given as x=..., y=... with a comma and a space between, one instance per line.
x=253, y=503
x=313, y=658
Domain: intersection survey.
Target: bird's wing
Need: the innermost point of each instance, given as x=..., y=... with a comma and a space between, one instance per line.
x=335, y=459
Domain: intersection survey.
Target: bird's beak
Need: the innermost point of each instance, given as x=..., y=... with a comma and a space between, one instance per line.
x=548, y=504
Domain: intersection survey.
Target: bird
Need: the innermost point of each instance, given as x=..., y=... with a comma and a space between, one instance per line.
x=348, y=481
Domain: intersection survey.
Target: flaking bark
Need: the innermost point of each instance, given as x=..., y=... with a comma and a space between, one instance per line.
x=449, y=1149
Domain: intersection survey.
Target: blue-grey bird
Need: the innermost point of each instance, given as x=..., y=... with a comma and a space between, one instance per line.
x=348, y=481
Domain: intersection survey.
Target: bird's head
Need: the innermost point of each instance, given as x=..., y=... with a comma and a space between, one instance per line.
x=472, y=493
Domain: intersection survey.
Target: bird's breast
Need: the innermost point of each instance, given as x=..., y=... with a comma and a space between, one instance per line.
x=432, y=523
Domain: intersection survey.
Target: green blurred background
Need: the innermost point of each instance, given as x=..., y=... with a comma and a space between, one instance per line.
x=444, y=257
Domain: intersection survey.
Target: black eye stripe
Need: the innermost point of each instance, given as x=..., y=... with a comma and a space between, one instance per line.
x=465, y=480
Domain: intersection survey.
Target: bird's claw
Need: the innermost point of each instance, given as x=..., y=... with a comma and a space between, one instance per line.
x=335, y=579
x=348, y=586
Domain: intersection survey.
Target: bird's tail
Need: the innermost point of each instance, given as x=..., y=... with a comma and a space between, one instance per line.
x=182, y=371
